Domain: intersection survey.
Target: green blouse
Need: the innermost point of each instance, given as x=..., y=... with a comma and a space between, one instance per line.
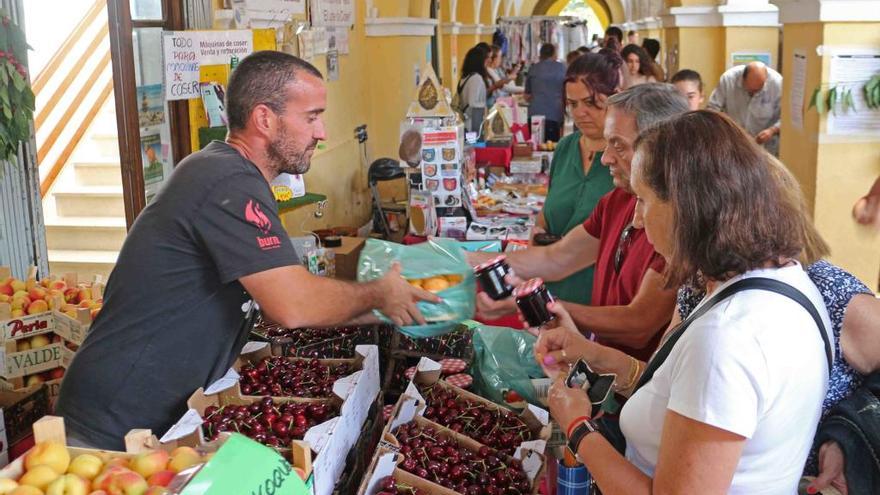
x=570, y=201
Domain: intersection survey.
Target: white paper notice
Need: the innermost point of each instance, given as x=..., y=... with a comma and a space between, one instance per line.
x=332, y=13
x=798, y=83
x=186, y=51
x=849, y=73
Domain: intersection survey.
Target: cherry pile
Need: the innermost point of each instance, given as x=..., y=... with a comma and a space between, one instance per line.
x=495, y=427
x=270, y=423
x=431, y=456
x=390, y=486
x=458, y=343
x=282, y=377
x=322, y=343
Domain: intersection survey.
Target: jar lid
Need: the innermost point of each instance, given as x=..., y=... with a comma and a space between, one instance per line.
x=494, y=261
x=529, y=287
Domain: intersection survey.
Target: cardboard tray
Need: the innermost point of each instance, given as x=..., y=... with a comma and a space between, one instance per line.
x=368, y=335
x=265, y=351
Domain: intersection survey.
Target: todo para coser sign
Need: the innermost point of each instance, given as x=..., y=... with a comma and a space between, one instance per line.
x=186, y=51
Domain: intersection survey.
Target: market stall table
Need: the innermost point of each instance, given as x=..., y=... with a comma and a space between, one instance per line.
x=499, y=157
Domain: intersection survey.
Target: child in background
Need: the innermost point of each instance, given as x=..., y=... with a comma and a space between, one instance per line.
x=690, y=84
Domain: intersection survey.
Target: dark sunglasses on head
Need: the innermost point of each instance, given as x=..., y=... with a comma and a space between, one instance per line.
x=622, y=245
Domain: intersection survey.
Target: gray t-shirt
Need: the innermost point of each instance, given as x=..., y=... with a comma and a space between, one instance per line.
x=173, y=317
x=545, y=83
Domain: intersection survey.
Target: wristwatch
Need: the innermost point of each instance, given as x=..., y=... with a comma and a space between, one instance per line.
x=577, y=435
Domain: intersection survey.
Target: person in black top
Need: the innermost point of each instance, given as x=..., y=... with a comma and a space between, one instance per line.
x=177, y=309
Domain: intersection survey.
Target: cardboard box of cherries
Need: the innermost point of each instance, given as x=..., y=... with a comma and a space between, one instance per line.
x=445, y=440
x=328, y=425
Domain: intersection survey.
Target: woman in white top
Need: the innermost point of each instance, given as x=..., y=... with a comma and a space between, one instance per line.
x=639, y=66
x=473, y=87
x=734, y=406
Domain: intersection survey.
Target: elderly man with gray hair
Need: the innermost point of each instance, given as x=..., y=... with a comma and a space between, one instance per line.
x=631, y=305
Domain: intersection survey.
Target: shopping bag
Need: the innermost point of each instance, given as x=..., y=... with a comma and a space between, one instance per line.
x=504, y=359
x=434, y=258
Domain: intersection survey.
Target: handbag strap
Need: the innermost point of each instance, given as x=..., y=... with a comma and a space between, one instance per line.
x=757, y=283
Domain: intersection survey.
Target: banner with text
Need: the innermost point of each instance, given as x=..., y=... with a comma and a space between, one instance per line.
x=186, y=51
x=332, y=13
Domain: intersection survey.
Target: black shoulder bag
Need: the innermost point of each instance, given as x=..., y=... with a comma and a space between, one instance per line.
x=611, y=429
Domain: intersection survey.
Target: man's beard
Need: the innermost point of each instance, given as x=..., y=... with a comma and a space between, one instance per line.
x=284, y=156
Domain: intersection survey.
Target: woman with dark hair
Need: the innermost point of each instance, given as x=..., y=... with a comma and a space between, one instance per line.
x=473, y=87
x=502, y=83
x=640, y=67
x=731, y=400
x=652, y=47
x=577, y=177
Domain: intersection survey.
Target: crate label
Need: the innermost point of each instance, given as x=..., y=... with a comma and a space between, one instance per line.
x=28, y=326
x=66, y=356
x=33, y=360
x=70, y=329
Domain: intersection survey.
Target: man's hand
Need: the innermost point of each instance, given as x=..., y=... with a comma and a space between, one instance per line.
x=831, y=469
x=399, y=298
x=488, y=309
x=475, y=258
x=766, y=135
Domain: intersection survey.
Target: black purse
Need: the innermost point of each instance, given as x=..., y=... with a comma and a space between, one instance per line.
x=611, y=428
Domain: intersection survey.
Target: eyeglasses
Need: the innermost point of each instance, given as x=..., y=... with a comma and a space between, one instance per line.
x=622, y=245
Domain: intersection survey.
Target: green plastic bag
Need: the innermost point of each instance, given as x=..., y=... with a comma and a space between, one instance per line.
x=438, y=256
x=504, y=359
x=245, y=466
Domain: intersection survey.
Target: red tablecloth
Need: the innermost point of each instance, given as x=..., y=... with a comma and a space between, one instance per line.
x=499, y=157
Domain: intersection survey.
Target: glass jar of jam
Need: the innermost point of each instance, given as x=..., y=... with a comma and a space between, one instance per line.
x=532, y=298
x=490, y=275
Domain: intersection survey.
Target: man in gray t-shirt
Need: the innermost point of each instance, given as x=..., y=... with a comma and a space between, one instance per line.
x=751, y=95
x=544, y=87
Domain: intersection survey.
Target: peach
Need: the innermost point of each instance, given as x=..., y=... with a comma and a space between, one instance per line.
x=26, y=490
x=7, y=485
x=116, y=462
x=17, y=313
x=4, y=298
x=37, y=293
x=31, y=283
x=33, y=380
x=71, y=294
x=40, y=340
x=86, y=466
x=156, y=490
x=22, y=345
x=69, y=484
x=99, y=492
x=86, y=303
x=38, y=306
x=58, y=285
x=17, y=285
x=52, y=454
x=182, y=458
x=39, y=477
x=150, y=462
x=55, y=374
x=121, y=481
x=161, y=478
x=6, y=289
x=85, y=293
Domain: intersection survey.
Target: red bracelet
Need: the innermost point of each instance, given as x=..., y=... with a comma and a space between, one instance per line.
x=574, y=423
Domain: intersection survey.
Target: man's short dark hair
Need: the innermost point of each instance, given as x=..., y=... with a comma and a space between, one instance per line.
x=615, y=32
x=687, y=75
x=261, y=78
x=630, y=33
x=548, y=50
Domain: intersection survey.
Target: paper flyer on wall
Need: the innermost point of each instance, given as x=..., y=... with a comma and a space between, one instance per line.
x=848, y=73
x=151, y=105
x=214, y=101
x=155, y=160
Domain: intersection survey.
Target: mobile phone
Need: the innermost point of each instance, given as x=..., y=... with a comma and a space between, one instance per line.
x=582, y=376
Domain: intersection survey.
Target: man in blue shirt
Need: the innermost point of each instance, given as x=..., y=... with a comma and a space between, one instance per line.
x=544, y=87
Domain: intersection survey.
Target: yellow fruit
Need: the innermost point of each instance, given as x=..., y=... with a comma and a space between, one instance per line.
x=435, y=284
x=26, y=490
x=52, y=454
x=7, y=485
x=86, y=466
x=415, y=283
x=39, y=477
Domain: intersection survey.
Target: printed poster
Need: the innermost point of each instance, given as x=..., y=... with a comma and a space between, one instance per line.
x=151, y=105
x=441, y=165
x=186, y=51
x=155, y=160
x=798, y=83
x=849, y=72
x=332, y=13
